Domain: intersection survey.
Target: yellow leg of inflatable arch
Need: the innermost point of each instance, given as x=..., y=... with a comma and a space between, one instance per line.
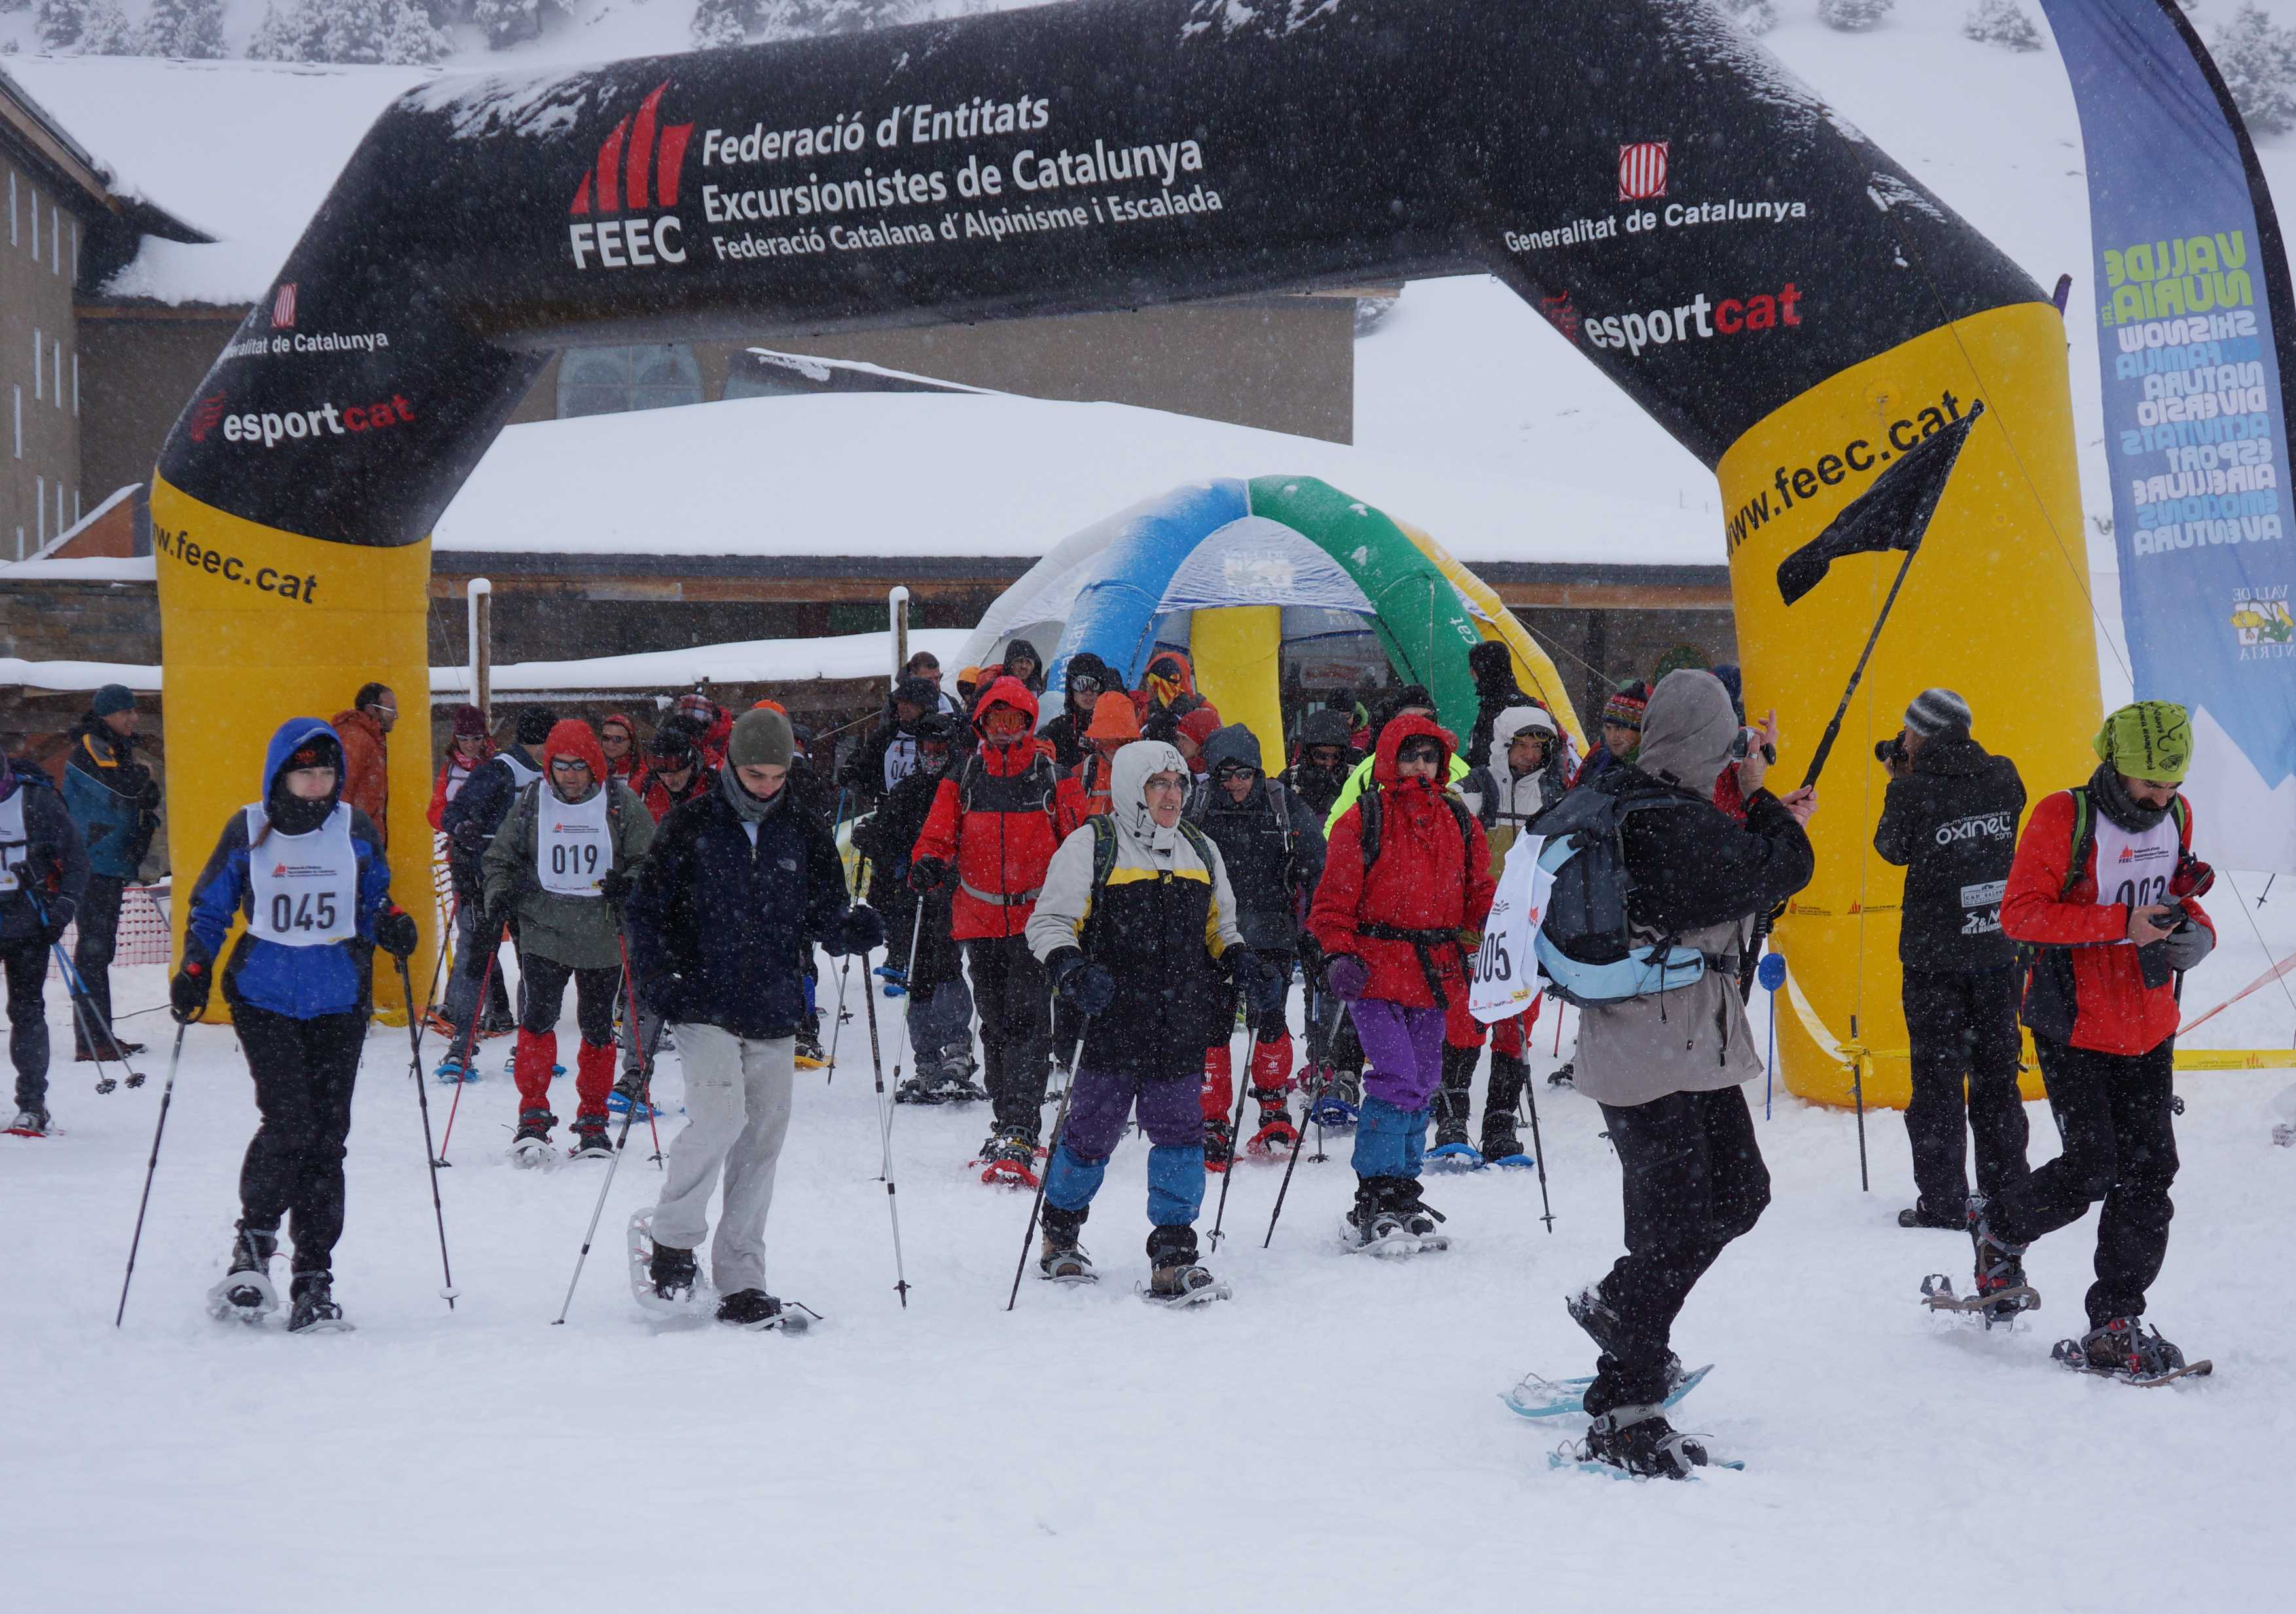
x=1238, y=651
x=1533, y=670
x=258, y=625
x=1996, y=605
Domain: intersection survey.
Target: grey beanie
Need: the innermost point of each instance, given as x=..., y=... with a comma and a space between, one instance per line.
x=1937, y=711
x=761, y=739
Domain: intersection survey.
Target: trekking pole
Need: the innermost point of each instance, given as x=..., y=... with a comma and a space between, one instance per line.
x=916, y=934
x=469, y=1041
x=613, y=1163
x=884, y=1134
x=637, y=1041
x=1537, y=1148
x=844, y=972
x=1857, y=1096
x=1235, y=1131
x=84, y=1014
x=422, y=1096
x=166, y=1093
x=446, y=948
x=1331, y=1079
x=1060, y=1126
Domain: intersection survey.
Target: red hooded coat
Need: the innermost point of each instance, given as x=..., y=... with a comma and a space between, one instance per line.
x=993, y=820
x=1428, y=878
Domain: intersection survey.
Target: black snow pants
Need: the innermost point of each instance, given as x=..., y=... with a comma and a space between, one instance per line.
x=1694, y=1180
x=1964, y=1024
x=304, y=1072
x=1012, y=999
x=2120, y=1147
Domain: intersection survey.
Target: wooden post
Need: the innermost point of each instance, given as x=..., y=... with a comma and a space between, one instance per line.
x=897, y=600
x=482, y=656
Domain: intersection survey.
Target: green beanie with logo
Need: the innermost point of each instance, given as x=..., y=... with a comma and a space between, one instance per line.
x=2148, y=740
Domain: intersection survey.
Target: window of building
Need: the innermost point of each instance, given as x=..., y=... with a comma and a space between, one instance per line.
x=18, y=391
x=36, y=227
x=37, y=392
x=40, y=507
x=609, y=381
x=12, y=228
x=56, y=354
x=56, y=243
x=75, y=384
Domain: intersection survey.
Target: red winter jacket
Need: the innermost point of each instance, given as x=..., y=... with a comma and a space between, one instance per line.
x=2116, y=1012
x=993, y=820
x=1427, y=878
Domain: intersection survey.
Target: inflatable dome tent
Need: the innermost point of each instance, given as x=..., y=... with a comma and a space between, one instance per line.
x=1233, y=572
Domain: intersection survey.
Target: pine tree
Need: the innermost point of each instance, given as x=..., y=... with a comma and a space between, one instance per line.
x=104, y=29
x=2259, y=64
x=395, y=31
x=719, y=23
x=1854, y=16
x=2002, y=23
x=59, y=23
x=189, y=30
x=1757, y=17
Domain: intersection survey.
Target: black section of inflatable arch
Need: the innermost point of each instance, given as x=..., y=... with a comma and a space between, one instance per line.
x=1679, y=206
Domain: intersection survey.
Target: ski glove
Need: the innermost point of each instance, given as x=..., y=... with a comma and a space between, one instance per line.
x=930, y=874
x=1084, y=985
x=1263, y=988
x=187, y=993
x=469, y=839
x=2188, y=945
x=616, y=886
x=395, y=932
x=858, y=929
x=1346, y=975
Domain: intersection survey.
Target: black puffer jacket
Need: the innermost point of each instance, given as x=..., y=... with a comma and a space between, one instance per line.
x=1951, y=824
x=1272, y=843
x=885, y=839
x=1066, y=732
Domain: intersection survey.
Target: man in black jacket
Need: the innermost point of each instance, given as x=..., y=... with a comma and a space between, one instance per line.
x=735, y=882
x=42, y=872
x=1085, y=680
x=469, y=822
x=889, y=753
x=1950, y=821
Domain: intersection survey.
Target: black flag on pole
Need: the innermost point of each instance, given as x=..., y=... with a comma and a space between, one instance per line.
x=1893, y=514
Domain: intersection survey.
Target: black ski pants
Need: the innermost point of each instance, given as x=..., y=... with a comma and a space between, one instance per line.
x=26, y=963
x=1963, y=1026
x=304, y=1072
x=1694, y=1180
x=541, y=998
x=2120, y=1147
x=1011, y=996
x=98, y=919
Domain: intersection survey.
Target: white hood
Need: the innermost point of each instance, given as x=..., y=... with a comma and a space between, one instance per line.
x=1520, y=798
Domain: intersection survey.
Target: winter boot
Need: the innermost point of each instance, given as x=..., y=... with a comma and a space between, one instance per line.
x=2000, y=1268
x=1419, y=1218
x=1591, y=1311
x=1276, y=1128
x=1011, y=1158
x=531, y=1142
x=1450, y=1112
x=953, y=1083
x=452, y=1070
x=1174, y=1278
x=1219, y=1145
x=31, y=1122
x=1563, y=1075
x=590, y=1140
x=750, y=1308
x=1501, y=1145
x=1921, y=1214
x=809, y=1055
x=246, y=1291
x=1639, y=1440
x=315, y=1311
x=1062, y=1258
x=674, y=1274
x=2127, y=1349
x=630, y=1093
x=1370, y=1222
x=916, y=1090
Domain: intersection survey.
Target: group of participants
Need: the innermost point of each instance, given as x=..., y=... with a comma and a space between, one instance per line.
x=1103, y=893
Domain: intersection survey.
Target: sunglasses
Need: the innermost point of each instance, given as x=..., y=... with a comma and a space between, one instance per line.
x=568, y=765
x=1420, y=750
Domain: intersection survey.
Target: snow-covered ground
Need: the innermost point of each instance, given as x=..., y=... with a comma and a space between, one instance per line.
x=1330, y=1438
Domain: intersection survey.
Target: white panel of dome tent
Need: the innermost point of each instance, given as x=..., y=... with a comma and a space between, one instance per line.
x=1257, y=562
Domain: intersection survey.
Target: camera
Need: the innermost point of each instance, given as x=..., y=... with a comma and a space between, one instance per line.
x=1890, y=752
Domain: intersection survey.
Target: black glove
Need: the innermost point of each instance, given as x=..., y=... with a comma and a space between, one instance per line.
x=860, y=930
x=666, y=996
x=467, y=839
x=395, y=932
x=617, y=885
x=1263, y=989
x=147, y=794
x=1084, y=985
x=930, y=874
x=187, y=993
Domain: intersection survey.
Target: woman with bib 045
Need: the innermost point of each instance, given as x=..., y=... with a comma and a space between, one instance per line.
x=305, y=871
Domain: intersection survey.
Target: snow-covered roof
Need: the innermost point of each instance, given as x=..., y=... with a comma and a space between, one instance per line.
x=242, y=151
x=898, y=474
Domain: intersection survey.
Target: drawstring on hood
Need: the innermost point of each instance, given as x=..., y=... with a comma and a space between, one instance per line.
x=1128, y=794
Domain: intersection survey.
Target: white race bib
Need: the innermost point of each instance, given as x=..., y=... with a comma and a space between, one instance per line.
x=1502, y=976
x=15, y=846
x=302, y=889
x=573, y=843
x=520, y=776
x=2135, y=869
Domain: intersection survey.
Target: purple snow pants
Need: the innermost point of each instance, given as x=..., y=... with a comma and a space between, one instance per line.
x=1403, y=1051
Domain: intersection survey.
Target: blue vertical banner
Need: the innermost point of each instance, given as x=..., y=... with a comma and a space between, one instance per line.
x=2193, y=303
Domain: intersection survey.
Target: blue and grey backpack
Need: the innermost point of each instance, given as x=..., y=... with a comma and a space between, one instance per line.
x=1586, y=946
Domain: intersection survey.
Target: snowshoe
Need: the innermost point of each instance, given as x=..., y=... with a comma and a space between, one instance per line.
x=491, y=1029
x=1563, y=1075
x=452, y=1071
x=896, y=979
x=1639, y=1442
x=245, y=1292
x=1178, y=1283
x=1374, y=1229
x=809, y=1053
x=2125, y=1349
x=1921, y=1214
x=664, y=1281
x=2001, y=1307
x=1419, y=1218
x=1063, y=1260
x=530, y=1146
x=756, y=1310
x=590, y=1140
x=31, y=1122
x=1461, y=1156
x=315, y=1311
x=916, y=1090
x=629, y=1097
x=1535, y=1397
x=1338, y=1104
x=2002, y=1291
x=1276, y=1128
x=1503, y=1146
x=1219, y=1145
x=435, y=1022
x=1009, y=1159
x=957, y=1086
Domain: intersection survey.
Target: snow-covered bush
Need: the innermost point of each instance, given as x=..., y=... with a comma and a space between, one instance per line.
x=395, y=31
x=187, y=30
x=2002, y=23
x=59, y=22
x=1758, y=17
x=104, y=29
x=717, y=23
x=2257, y=60
x=1853, y=16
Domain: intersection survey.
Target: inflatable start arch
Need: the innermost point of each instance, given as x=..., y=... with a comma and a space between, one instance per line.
x=1788, y=302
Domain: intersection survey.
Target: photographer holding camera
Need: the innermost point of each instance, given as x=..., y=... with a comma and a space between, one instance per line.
x=1950, y=821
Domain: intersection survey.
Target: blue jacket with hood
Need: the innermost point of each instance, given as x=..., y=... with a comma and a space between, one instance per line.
x=302, y=983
